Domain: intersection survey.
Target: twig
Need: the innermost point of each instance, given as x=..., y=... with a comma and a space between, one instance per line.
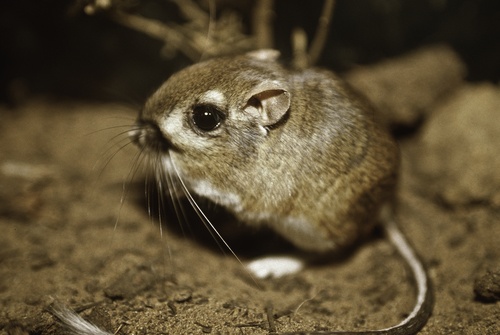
x=191, y=10
x=303, y=302
x=270, y=318
x=322, y=30
x=262, y=24
x=299, y=46
x=159, y=31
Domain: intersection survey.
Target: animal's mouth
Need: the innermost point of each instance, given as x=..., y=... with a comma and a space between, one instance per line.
x=148, y=136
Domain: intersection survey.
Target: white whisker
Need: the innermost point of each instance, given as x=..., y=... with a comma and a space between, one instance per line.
x=160, y=203
x=111, y=143
x=176, y=201
x=105, y=163
x=136, y=163
x=203, y=217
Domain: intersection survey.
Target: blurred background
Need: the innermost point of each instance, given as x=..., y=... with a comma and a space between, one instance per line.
x=54, y=48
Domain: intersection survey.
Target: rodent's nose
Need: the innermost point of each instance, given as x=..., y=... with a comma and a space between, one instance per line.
x=147, y=135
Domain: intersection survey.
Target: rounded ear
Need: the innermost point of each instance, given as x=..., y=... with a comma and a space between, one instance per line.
x=268, y=104
x=264, y=54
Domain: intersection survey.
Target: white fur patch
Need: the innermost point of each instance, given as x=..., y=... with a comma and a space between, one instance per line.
x=168, y=165
x=174, y=129
x=206, y=189
x=214, y=97
x=275, y=266
x=171, y=125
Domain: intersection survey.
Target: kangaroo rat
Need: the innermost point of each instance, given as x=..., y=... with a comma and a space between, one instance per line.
x=294, y=150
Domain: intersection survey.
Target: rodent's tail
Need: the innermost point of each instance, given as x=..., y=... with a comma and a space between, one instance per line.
x=425, y=296
x=422, y=310
x=74, y=323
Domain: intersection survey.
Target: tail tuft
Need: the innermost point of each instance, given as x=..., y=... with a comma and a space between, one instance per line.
x=74, y=323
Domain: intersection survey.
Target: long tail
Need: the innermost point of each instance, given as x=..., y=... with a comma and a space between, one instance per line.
x=422, y=310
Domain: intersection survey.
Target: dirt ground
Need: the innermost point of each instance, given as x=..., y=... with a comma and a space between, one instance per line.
x=66, y=236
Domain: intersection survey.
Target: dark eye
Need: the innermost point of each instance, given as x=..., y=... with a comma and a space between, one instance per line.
x=207, y=117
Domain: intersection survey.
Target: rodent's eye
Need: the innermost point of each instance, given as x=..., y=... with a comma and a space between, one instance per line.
x=207, y=117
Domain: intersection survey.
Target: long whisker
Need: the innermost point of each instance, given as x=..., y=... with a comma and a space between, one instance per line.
x=161, y=180
x=104, y=163
x=125, y=126
x=198, y=212
x=136, y=163
x=107, y=154
x=210, y=228
x=147, y=188
x=176, y=201
x=160, y=200
x=126, y=132
x=111, y=142
x=202, y=215
x=151, y=173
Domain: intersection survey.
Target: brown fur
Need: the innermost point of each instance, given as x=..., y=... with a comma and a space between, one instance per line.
x=322, y=162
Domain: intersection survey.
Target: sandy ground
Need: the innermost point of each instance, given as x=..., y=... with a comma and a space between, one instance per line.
x=66, y=238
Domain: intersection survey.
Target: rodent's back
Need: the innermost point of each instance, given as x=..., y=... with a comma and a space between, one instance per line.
x=337, y=166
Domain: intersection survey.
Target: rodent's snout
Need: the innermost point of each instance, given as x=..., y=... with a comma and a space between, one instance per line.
x=147, y=135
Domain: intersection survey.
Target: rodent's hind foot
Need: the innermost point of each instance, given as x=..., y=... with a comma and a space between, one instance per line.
x=275, y=266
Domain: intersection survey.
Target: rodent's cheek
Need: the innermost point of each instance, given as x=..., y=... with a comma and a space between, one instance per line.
x=169, y=164
x=177, y=164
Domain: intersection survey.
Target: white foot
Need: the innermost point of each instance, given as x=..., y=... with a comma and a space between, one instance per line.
x=275, y=266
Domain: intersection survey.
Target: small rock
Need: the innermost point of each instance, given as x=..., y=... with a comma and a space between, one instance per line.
x=40, y=259
x=183, y=296
x=403, y=90
x=130, y=283
x=459, y=147
x=487, y=285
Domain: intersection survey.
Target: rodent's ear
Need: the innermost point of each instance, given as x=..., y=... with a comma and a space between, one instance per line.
x=264, y=54
x=268, y=104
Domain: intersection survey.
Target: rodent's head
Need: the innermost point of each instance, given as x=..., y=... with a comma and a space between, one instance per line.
x=211, y=116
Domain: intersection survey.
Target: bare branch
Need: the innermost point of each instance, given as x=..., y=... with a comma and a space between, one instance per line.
x=191, y=10
x=159, y=31
x=97, y=5
x=203, y=34
x=299, y=46
x=318, y=43
x=262, y=24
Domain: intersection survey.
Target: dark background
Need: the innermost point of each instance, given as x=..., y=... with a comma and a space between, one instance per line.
x=53, y=48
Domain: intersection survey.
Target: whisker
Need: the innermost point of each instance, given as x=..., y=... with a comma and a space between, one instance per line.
x=107, y=154
x=136, y=164
x=127, y=126
x=147, y=190
x=199, y=213
x=160, y=182
x=104, y=162
x=210, y=228
x=159, y=198
x=110, y=158
x=176, y=201
x=123, y=117
x=204, y=218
